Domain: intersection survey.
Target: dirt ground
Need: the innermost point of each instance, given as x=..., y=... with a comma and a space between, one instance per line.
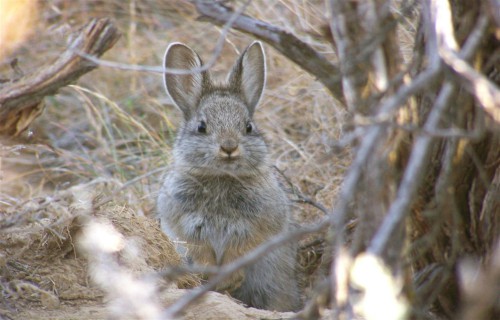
x=50, y=272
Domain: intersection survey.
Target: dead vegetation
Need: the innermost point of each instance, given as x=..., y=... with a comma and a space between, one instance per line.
x=405, y=160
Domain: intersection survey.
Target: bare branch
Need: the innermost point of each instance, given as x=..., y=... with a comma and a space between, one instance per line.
x=286, y=43
x=476, y=134
x=301, y=198
x=371, y=138
x=413, y=173
x=386, y=109
x=484, y=90
x=22, y=101
x=345, y=32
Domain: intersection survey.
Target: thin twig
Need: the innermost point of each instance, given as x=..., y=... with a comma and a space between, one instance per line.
x=145, y=68
x=301, y=198
x=484, y=90
x=317, y=205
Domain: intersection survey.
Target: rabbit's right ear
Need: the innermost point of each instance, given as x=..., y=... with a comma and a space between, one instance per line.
x=184, y=89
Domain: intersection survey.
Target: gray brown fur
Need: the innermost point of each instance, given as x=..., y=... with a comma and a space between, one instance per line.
x=221, y=196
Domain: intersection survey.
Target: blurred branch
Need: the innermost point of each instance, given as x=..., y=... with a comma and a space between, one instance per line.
x=441, y=22
x=345, y=34
x=485, y=91
x=320, y=299
x=22, y=101
x=372, y=137
x=480, y=285
x=413, y=174
x=286, y=43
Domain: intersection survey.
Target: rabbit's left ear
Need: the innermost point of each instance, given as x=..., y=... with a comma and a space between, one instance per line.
x=248, y=75
x=184, y=89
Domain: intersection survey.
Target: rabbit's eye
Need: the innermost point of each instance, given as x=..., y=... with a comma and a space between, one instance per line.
x=202, y=127
x=249, y=127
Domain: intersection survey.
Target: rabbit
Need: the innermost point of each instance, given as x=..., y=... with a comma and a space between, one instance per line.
x=221, y=196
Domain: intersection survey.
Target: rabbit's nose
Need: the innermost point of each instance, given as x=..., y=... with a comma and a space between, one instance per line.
x=229, y=148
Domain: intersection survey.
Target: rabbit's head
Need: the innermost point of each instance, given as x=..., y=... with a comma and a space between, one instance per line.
x=218, y=135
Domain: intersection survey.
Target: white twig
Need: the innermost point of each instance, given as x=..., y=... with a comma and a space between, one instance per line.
x=129, y=295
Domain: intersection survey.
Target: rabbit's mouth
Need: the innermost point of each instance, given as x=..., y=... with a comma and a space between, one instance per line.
x=223, y=167
x=231, y=164
x=229, y=159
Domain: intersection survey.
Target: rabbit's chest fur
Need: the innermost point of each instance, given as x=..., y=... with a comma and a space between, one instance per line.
x=221, y=218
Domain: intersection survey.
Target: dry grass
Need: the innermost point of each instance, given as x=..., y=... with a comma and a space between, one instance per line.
x=119, y=125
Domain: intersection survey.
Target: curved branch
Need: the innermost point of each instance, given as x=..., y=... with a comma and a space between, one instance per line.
x=22, y=101
x=288, y=44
